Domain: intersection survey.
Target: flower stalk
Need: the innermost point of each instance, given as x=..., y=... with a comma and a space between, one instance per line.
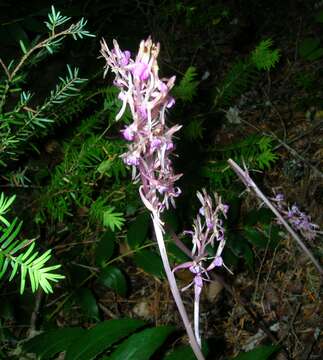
x=150, y=143
x=250, y=184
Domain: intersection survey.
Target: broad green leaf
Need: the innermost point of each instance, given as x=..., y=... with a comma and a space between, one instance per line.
x=100, y=338
x=255, y=237
x=316, y=54
x=230, y=259
x=185, y=352
x=113, y=278
x=141, y=346
x=150, y=262
x=273, y=233
x=175, y=253
x=308, y=46
x=259, y=353
x=261, y=216
x=138, y=229
x=49, y=343
x=104, y=248
x=181, y=353
x=88, y=303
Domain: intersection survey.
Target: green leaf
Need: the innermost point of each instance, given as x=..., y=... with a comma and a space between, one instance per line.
x=141, y=346
x=259, y=353
x=49, y=343
x=185, y=352
x=101, y=337
x=138, y=229
x=230, y=259
x=256, y=238
x=150, y=262
x=307, y=47
x=175, y=253
x=181, y=353
x=113, y=278
x=316, y=54
x=88, y=303
x=105, y=247
x=273, y=233
x=261, y=216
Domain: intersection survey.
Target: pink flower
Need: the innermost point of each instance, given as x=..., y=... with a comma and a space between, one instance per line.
x=148, y=97
x=129, y=133
x=205, y=230
x=298, y=220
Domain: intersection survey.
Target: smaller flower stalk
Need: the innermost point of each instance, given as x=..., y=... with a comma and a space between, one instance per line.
x=290, y=218
x=208, y=231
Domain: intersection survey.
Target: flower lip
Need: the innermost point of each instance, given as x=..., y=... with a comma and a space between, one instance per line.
x=128, y=133
x=125, y=58
x=132, y=160
x=140, y=70
x=170, y=102
x=155, y=144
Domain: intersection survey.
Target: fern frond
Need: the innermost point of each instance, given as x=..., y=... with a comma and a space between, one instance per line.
x=187, y=87
x=105, y=214
x=243, y=74
x=194, y=130
x=256, y=151
x=113, y=220
x=238, y=80
x=263, y=57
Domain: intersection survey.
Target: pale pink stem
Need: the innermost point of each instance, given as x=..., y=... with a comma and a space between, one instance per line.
x=173, y=287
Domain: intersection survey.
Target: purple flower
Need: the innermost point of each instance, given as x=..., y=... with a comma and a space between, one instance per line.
x=132, y=160
x=203, y=235
x=140, y=71
x=129, y=133
x=148, y=97
x=298, y=220
x=125, y=58
x=170, y=103
x=155, y=144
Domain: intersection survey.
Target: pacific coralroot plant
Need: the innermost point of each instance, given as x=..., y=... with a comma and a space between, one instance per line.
x=150, y=147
